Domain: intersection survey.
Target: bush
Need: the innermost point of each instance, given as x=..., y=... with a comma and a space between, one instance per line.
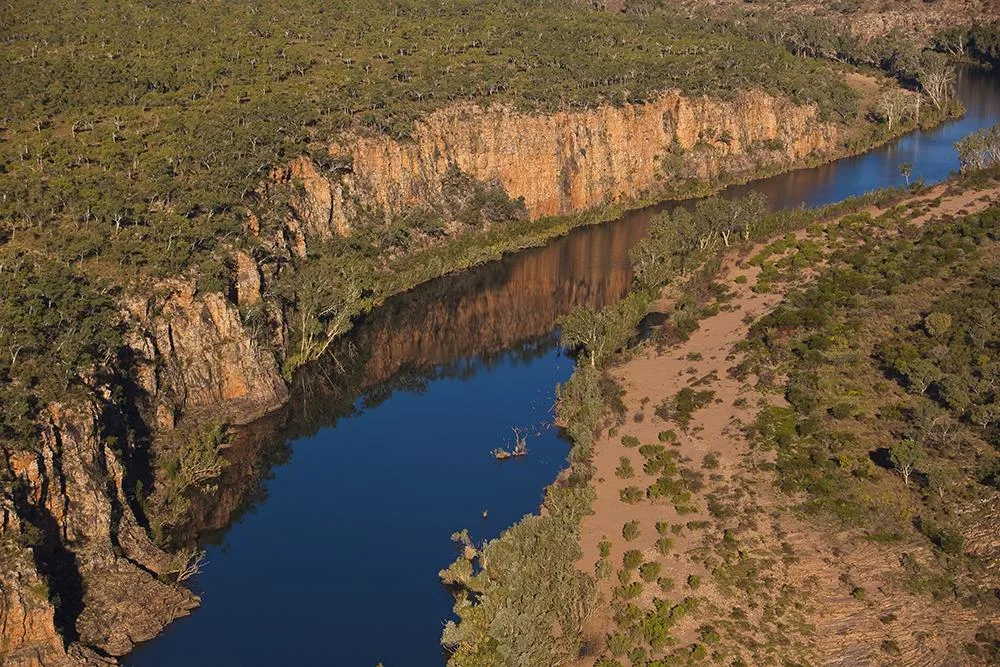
x=624, y=469
x=630, y=441
x=630, y=591
x=665, y=545
x=604, y=547
x=632, y=559
x=631, y=495
x=649, y=571
x=630, y=530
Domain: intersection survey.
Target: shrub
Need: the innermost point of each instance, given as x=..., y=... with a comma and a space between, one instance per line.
x=709, y=635
x=631, y=495
x=624, y=469
x=630, y=591
x=890, y=647
x=665, y=545
x=649, y=571
x=630, y=530
x=604, y=547
x=632, y=559
x=693, y=581
x=630, y=441
x=619, y=644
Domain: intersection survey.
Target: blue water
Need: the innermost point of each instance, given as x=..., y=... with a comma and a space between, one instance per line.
x=932, y=155
x=340, y=565
x=333, y=558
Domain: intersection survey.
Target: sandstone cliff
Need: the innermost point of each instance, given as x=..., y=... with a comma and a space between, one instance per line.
x=80, y=582
x=559, y=163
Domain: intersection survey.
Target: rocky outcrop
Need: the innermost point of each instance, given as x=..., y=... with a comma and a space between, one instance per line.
x=559, y=163
x=85, y=581
x=195, y=353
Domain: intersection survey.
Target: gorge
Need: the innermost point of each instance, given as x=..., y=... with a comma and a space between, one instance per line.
x=445, y=360
x=275, y=278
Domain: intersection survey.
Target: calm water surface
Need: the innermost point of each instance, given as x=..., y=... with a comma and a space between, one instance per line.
x=334, y=517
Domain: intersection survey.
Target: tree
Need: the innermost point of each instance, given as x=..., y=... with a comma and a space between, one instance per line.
x=328, y=299
x=585, y=327
x=601, y=332
x=667, y=249
x=906, y=455
x=906, y=170
x=937, y=78
x=937, y=324
x=725, y=217
x=920, y=374
x=940, y=479
x=891, y=106
x=980, y=149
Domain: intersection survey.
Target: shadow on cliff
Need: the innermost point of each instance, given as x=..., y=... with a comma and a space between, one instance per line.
x=55, y=563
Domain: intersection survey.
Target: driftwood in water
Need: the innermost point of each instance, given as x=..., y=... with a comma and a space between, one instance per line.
x=520, y=447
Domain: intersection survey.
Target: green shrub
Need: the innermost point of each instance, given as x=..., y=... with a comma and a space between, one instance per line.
x=604, y=547
x=631, y=495
x=709, y=635
x=665, y=545
x=630, y=591
x=630, y=441
x=624, y=469
x=619, y=644
x=630, y=530
x=667, y=436
x=649, y=571
x=632, y=559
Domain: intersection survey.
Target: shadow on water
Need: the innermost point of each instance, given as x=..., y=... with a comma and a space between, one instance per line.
x=333, y=518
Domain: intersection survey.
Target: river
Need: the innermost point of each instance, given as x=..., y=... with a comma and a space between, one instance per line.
x=334, y=517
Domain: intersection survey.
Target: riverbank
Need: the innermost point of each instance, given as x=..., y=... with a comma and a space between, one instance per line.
x=723, y=567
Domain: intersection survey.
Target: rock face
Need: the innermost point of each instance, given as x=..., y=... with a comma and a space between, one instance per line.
x=80, y=581
x=559, y=163
x=194, y=353
x=85, y=543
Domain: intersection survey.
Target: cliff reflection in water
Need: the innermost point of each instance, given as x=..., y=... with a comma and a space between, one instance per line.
x=448, y=327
